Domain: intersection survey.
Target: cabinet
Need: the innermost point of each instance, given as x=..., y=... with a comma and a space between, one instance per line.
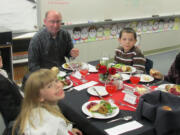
x=20, y=67
x=20, y=58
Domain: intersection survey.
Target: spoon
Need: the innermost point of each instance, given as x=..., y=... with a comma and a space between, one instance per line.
x=126, y=118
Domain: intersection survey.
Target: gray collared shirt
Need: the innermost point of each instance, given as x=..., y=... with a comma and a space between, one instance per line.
x=45, y=51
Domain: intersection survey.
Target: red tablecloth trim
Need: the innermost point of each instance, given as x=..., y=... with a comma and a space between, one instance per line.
x=117, y=96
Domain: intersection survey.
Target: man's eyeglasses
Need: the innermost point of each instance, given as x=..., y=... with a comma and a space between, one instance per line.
x=53, y=22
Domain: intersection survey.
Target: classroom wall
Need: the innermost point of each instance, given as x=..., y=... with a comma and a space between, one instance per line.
x=149, y=41
x=99, y=11
x=83, y=11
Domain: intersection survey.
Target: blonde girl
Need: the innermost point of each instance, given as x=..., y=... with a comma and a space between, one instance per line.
x=40, y=114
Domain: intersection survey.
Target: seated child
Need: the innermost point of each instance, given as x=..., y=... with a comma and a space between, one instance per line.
x=173, y=75
x=40, y=114
x=128, y=53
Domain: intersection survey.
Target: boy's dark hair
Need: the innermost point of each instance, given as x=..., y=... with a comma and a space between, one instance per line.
x=128, y=30
x=177, y=62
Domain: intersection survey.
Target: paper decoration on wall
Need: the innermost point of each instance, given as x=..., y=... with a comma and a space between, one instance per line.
x=120, y=27
x=161, y=25
x=127, y=25
x=139, y=27
x=133, y=25
x=155, y=25
x=84, y=34
x=100, y=33
x=145, y=26
x=176, y=23
x=150, y=25
x=92, y=33
x=113, y=31
x=77, y=33
x=171, y=24
x=107, y=31
x=166, y=25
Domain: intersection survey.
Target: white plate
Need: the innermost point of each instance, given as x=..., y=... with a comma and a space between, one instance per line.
x=98, y=115
x=145, y=78
x=68, y=86
x=100, y=89
x=69, y=68
x=61, y=74
x=64, y=66
x=133, y=70
x=125, y=77
x=162, y=87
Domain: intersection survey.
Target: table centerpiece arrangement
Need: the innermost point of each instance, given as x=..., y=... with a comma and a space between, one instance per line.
x=106, y=70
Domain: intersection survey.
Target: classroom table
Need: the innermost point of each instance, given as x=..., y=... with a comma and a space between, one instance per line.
x=71, y=107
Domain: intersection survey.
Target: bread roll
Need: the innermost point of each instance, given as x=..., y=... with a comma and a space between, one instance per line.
x=153, y=71
x=55, y=70
x=167, y=108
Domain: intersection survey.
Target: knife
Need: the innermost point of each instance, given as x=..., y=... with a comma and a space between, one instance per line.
x=157, y=83
x=99, y=95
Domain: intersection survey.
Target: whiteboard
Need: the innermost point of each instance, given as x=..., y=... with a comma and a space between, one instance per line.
x=84, y=11
x=18, y=15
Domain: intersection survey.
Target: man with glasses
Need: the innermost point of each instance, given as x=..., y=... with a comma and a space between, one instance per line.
x=51, y=44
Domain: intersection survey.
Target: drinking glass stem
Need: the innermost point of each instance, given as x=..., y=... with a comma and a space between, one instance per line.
x=134, y=87
x=83, y=79
x=110, y=99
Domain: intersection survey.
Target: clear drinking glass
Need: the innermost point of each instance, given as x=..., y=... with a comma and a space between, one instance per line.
x=84, y=69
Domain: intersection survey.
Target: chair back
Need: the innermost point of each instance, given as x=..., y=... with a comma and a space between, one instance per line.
x=148, y=65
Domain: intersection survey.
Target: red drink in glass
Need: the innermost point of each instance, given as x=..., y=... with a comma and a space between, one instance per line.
x=111, y=88
x=134, y=79
x=83, y=72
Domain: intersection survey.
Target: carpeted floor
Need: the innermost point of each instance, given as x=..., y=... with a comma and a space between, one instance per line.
x=162, y=61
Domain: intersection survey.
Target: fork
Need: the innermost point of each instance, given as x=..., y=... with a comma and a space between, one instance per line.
x=126, y=118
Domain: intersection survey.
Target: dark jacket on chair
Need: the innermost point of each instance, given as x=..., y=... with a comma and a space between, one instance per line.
x=10, y=99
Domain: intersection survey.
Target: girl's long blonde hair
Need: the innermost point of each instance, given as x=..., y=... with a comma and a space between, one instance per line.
x=35, y=82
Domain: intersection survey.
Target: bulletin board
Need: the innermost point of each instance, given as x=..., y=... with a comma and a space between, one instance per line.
x=85, y=11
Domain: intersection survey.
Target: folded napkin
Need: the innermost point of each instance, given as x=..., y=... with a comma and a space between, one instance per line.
x=92, y=68
x=117, y=130
x=85, y=85
x=77, y=75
